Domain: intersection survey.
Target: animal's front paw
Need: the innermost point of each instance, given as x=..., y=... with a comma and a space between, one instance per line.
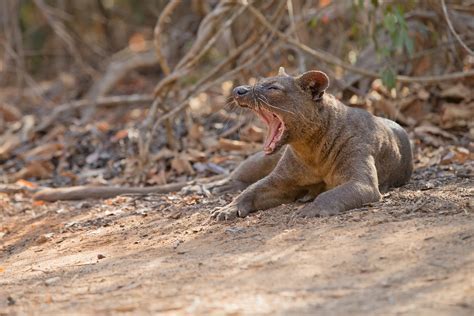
x=312, y=210
x=228, y=213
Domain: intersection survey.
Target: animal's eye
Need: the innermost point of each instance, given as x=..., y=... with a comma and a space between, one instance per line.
x=273, y=88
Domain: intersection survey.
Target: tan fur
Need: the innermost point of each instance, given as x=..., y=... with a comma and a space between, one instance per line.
x=348, y=152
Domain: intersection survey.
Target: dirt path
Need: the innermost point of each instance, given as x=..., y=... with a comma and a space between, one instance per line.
x=412, y=254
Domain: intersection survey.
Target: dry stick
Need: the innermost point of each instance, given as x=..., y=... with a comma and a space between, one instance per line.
x=183, y=68
x=159, y=28
x=209, y=27
x=160, y=25
x=101, y=102
x=197, y=89
x=326, y=57
x=214, y=38
x=451, y=27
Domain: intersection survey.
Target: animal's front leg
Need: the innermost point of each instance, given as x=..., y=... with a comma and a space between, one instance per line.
x=342, y=198
x=360, y=187
x=262, y=195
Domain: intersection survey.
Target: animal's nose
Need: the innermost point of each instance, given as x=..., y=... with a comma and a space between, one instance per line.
x=241, y=90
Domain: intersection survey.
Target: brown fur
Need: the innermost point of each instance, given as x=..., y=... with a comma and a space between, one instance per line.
x=346, y=152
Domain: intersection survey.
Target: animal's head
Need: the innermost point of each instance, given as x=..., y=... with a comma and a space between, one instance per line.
x=284, y=103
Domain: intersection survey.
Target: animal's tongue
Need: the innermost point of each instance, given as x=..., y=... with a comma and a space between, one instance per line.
x=275, y=129
x=273, y=125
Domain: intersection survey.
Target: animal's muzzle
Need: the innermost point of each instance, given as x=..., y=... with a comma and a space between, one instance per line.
x=241, y=91
x=243, y=95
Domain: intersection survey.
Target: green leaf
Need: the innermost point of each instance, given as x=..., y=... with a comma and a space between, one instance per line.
x=409, y=46
x=399, y=38
x=390, y=22
x=389, y=78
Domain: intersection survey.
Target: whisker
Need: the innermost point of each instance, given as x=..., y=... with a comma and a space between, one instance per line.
x=272, y=106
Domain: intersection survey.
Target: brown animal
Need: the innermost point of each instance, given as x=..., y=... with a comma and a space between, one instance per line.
x=316, y=148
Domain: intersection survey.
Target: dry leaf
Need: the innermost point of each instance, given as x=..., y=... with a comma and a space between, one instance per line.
x=10, y=142
x=456, y=155
x=435, y=131
x=25, y=183
x=158, y=178
x=229, y=144
x=422, y=94
x=120, y=135
x=56, y=133
x=196, y=155
x=34, y=169
x=9, y=113
x=457, y=92
x=457, y=114
x=196, y=131
x=103, y=126
x=38, y=203
x=252, y=133
x=182, y=165
x=43, y=152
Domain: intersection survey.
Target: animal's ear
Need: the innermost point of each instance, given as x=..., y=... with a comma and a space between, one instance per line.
x=315, y=82
x=282, y=72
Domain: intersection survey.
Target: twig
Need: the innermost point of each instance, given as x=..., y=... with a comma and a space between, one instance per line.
x=445, y=11
x=330, y=59
x=101, y=102
x=160, y=25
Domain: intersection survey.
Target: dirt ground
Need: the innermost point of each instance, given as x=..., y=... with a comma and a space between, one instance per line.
x=411, y=254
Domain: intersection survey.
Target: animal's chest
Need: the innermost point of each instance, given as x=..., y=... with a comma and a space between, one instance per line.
x=310, y=173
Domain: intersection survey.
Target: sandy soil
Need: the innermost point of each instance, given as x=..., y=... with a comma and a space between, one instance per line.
x=411, y=254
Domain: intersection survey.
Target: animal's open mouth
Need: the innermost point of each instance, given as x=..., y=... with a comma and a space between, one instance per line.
x=276, y=128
